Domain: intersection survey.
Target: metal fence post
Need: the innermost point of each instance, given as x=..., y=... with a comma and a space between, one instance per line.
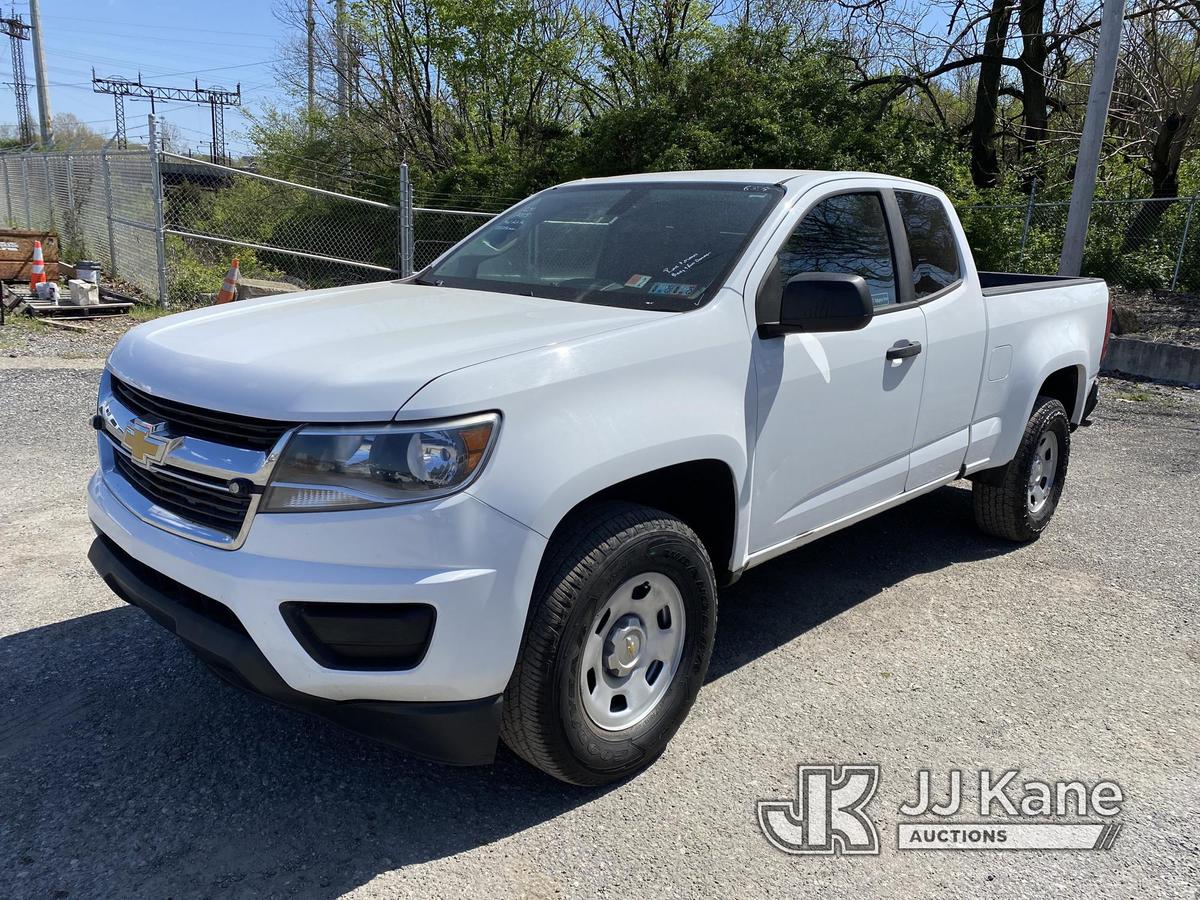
x=1028, y=220
x=160, y=248
x=7, y=191
x=70, y=218
x=108, y=211
x=1187, y=224
x=49, y=190
x=25, y=180
x=406, y=222
x=70, y=182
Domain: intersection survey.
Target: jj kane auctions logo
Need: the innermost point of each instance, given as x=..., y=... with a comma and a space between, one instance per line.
x=829, y=813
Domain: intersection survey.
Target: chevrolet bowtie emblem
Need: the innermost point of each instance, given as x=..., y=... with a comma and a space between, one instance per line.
x=146, y=441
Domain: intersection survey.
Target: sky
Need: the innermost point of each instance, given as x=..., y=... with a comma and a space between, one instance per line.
x=172, y=43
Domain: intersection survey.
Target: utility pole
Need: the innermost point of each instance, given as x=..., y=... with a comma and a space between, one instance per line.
x=18, y=31
x=39, y=72
x=1090, y=143
x=343, y=60
x=310, y=23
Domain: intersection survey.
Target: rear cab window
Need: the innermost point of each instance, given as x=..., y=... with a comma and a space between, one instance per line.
x=932, y=245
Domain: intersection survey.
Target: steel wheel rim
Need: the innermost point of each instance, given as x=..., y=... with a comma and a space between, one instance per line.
x=1043, y=473
x=632, y=652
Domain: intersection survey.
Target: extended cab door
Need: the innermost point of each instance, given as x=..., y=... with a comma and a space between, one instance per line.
x=835, y=415
x=945, y=286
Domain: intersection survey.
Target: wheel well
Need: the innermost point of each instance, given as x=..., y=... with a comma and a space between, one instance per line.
x=1063, y=386
x=700, y=493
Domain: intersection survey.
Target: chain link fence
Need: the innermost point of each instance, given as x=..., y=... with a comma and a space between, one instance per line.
x=280, y=231
x=437, y=230
x=1135, y=244
x=166, y=226
x=100, y=202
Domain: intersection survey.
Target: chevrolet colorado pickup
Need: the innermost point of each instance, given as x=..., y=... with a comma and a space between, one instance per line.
x=496, y=499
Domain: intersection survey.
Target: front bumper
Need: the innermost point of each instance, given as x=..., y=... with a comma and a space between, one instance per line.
x=474, y=565
x=460, y=733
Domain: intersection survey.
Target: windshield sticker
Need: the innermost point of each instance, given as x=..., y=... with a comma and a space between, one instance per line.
x=637, y=281
x=687, y=263
x=671, y=287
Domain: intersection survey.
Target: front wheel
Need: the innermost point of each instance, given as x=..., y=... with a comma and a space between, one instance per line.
x=1016, y=501
x=617, y=645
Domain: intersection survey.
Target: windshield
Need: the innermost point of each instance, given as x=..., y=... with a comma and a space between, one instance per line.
x=644, y=245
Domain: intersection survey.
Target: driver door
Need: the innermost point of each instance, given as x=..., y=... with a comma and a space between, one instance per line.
x=836, y=417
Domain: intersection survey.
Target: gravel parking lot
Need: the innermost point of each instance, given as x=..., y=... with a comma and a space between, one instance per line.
x=127, y=770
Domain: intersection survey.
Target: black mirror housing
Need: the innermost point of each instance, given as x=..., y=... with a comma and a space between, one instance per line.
x=822, y=301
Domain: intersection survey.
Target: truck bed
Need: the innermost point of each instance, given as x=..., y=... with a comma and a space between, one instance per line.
x=994, y=283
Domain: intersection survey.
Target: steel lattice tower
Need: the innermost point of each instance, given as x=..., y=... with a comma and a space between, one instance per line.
x=216, y=98
x=18, y=31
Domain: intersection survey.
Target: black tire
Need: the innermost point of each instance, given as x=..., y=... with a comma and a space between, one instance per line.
x=1001, y=496
x=544, y=719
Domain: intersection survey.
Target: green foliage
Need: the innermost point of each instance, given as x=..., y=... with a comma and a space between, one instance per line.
x=490, y=101
x=196, y=269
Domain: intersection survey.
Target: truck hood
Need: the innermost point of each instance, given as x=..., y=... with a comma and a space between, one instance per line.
x=346, y=354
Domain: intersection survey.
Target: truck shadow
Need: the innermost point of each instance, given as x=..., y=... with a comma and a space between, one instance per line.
x=776, y=602
x=126, y=769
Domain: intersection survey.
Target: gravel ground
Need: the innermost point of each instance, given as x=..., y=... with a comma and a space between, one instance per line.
x=127, y=770
x=25, y=337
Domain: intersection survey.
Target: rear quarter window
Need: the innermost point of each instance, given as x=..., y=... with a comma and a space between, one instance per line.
x=936, y=262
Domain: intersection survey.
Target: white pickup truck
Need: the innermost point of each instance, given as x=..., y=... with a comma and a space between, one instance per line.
x=497, y=499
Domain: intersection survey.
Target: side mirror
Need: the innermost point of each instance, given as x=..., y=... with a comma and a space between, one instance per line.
x=822, y=301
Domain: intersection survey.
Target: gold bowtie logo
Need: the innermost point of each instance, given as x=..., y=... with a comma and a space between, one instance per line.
x=146, y=443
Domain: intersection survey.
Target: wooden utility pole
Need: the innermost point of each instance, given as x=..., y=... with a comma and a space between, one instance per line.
x=39, y=71
x=1090, y=143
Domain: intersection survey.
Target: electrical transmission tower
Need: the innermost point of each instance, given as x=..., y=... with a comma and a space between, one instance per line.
x=18, y=31
x=215, y=98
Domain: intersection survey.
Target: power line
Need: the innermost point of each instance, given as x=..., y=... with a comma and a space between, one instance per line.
x=216, y=99
x=174, y=28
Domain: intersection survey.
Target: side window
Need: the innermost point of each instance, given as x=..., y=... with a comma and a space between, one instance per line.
x=845, y=233
x=931, y=242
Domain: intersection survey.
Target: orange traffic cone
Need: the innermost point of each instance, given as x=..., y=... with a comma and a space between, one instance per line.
x=229, y=288
x=38, y=275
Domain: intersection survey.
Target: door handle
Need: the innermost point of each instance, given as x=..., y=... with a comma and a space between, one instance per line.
x=905, y=350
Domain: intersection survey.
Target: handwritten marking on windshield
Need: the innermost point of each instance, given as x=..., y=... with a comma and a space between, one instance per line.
x=684, y=264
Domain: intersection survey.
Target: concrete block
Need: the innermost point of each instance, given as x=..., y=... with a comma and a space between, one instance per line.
x=1172, y=363
x=249, y=288
x=83, y=293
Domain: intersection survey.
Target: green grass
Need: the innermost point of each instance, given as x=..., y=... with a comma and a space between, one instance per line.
x=1133, y=395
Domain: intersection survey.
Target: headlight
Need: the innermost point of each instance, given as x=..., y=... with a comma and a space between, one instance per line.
x=326, y=468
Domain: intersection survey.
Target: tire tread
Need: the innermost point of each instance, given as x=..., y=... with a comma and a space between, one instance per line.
x=999, y=495
x=528, y=723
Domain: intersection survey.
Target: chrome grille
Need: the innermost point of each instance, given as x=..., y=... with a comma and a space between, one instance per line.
x=223, y=428
x=186, y=495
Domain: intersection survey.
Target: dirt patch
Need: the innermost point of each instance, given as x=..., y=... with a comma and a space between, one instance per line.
x=1157, y=316
x=25, y=336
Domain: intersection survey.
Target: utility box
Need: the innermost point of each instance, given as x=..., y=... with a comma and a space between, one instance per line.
x=16, y=254
x=83, y=293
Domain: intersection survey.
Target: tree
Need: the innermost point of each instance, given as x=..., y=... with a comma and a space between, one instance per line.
x=72, y=134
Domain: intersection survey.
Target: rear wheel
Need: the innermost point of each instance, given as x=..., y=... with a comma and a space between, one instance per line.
x=1017, y=501
x=618, y=642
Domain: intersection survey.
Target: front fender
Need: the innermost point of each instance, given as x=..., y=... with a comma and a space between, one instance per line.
x=583, y=415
